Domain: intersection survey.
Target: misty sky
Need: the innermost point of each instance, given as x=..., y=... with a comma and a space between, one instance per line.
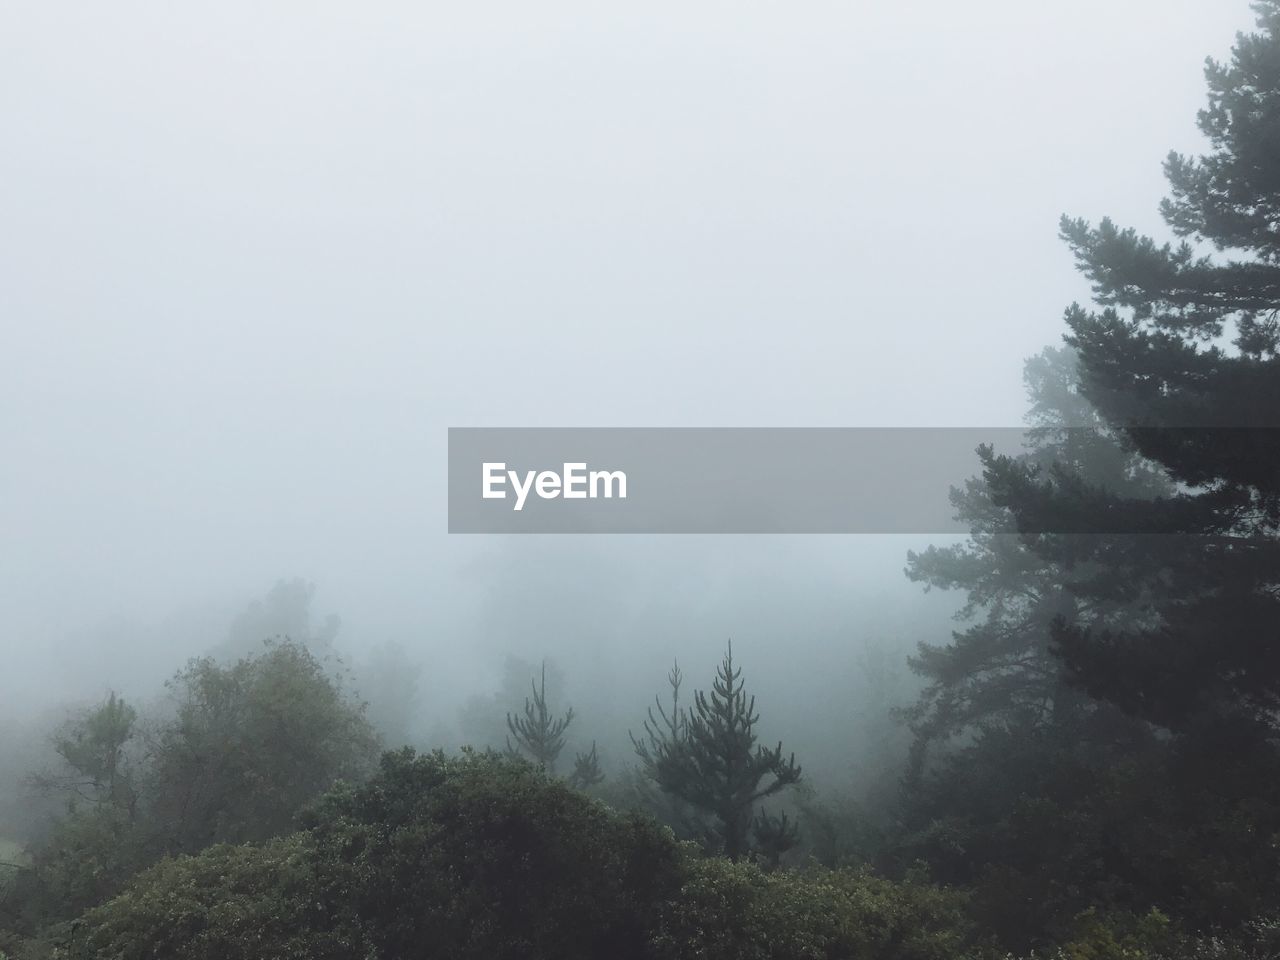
x=255, y=258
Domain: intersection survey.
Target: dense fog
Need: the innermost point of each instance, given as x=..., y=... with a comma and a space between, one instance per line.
x=255, y=260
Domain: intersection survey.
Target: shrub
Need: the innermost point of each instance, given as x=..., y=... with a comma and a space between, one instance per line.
x=480, y=856
x=729, y=911
x=228, y=903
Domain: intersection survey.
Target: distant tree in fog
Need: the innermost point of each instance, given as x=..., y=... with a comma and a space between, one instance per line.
x=251, y=743
x=388, y=681
x=285, y=611
x=93, y=748
x=482, y=720
x=586, y=769
x=539, y=733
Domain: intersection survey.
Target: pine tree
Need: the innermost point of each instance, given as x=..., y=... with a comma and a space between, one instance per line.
x=708, y=757
x=539, y=733
x=665, y=731
x=1000, y=670
x=1181, y=358
x=586, y=769
x=662, y=734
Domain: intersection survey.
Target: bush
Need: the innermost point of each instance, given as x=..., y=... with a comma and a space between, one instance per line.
x=478, y=857
x=436, y=857
x=228, y=903
x=250, y=743
x=729, y=911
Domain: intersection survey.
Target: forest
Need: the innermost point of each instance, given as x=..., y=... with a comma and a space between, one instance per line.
x=1085, y=765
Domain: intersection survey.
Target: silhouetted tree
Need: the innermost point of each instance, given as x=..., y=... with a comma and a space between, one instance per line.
x=1000, y=670
x=1161, y=599
x=663, y=732
x=1156, y=364
x=586, y=769
x=709, y=757
x=539, y=733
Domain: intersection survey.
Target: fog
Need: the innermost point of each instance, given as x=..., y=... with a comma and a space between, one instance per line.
x=256, y=259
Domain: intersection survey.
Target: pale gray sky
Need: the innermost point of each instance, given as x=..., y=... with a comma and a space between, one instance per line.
x=256, y=257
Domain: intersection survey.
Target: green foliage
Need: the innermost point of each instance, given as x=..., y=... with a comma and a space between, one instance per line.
x=709, y=758
x=1154, y=936
x=480, y=856
x=1043, y=829
x=229, y=903
x=89, y=855
x=12, y=858
x=250, y=744
x=94, y=749
x=735, y=911
x=477, y=856
x=96, y=845
x=1119, y=937
x=836, y=830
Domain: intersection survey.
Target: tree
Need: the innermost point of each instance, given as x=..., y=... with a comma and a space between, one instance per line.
x=709, y=758
x=1169, y=592
x=1181, y=360
x=94, y=750
x=480, y=857
x=586, y=769
x=482, y=719
x=1000, y=670
x=663, y=733
x=250, y=744
x=98, y=842
x=639, y=789
x=539, y=733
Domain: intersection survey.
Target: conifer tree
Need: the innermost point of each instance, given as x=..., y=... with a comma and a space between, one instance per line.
x=663, y=732
x=708, y=756
x=1182, y=357
x=539, y=733
x=586, y=769
x=1000, y=671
